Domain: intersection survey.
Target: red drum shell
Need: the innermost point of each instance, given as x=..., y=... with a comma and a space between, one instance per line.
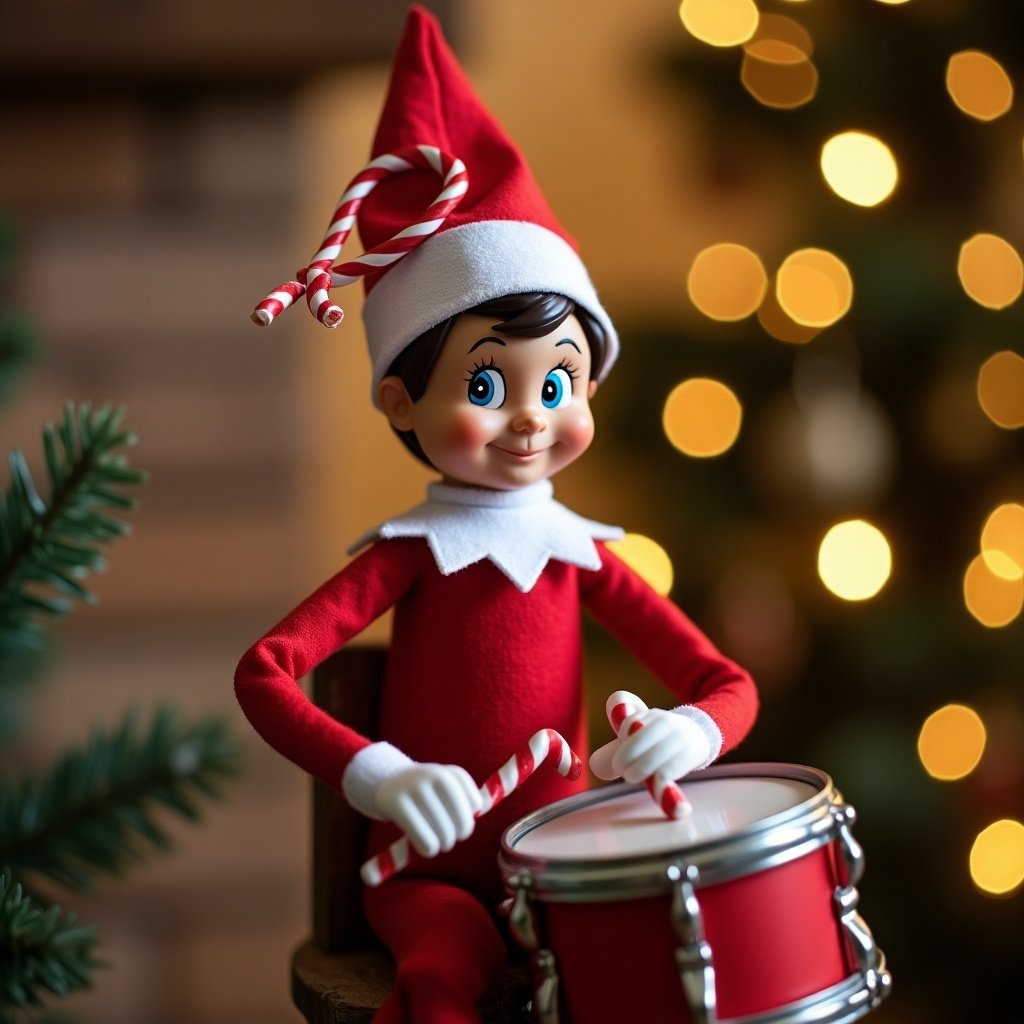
x=765, y=891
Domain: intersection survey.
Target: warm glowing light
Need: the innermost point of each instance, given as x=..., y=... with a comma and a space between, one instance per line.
x=1002, y=541
x=720, y=22
x=702, y=417
x=991, y=271
x=783, y=29
x=993, y=600
x=727, y=281
x=894, y=3
x=647, y=558
x=1001, y=389
x=854, y=560
x=814, y=287
x=951, y=742
x=779, y=324
x=848, y=445
x=997, y=858
x=859, y=168
x=979, y=85
x=778, y=73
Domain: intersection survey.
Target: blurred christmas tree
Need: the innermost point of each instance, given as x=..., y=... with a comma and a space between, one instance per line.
x=839, y=455
x=93, y=812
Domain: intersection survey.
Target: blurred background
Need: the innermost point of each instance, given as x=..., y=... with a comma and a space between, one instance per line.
x=806, y=219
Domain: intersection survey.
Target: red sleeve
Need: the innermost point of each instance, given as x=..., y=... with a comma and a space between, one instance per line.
x=267, y=677
x=670, y=646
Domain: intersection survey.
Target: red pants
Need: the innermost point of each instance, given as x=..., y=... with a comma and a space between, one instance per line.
x=447, y=949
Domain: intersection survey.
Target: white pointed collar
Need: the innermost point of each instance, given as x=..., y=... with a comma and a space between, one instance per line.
x=518, y=530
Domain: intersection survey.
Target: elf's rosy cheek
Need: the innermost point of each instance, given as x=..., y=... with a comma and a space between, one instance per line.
x=577, y=430
x=468, y=430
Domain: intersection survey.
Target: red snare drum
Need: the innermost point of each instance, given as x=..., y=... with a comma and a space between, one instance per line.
x=745, y=909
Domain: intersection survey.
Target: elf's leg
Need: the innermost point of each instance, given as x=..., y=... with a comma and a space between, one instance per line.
x=447, y=950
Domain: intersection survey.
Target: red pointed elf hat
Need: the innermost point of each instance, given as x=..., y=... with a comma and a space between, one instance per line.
x=489, y=233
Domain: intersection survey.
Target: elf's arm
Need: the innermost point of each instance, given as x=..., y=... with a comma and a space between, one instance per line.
x=433, y=804
x=720, y=701
x=267, y=678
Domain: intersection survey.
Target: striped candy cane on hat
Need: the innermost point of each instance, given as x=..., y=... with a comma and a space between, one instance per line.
x=544, y=747
x=664, y=791
x=316, y=279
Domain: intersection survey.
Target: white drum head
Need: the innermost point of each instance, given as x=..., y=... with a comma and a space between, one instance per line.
x=632, y=825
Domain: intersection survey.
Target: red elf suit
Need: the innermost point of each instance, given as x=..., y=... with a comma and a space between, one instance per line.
x=487, y=586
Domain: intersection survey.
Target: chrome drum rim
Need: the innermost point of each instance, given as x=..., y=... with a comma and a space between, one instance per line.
x=768, y=842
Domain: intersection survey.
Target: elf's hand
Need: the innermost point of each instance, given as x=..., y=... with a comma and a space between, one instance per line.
x=670, y=744
x=435, y=805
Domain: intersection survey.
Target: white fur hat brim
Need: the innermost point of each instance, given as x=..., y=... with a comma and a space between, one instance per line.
x=463, y=266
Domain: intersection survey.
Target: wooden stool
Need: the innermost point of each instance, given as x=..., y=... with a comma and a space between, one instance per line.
x=342, y=974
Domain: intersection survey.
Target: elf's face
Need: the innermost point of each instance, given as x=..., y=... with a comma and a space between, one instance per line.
x=501, y=411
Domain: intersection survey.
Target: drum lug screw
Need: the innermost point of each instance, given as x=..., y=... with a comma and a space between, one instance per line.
x=867, y=956
x=521, y=920
x=693, y=954
x=522, y=923
x=546, y=999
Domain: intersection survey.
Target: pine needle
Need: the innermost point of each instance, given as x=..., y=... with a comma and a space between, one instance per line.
x=95, y=811
x=48, y=546
x=42, y=949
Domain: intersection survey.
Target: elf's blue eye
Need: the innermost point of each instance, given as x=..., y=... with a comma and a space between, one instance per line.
x=556, y=392
x=487, y=388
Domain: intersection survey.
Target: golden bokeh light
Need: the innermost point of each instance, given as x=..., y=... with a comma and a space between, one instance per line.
x=783, y=29
x=1002, y=541
x=720, y=22
x=854, y=560
x=779, y=324
x=814, y=287
x=951, y=742
x=702, y=417
x=727, y=281
x=1001, y=389
x=992, y=599
x=979, y=85
x=647, y=558
x=859, y=168
x=894, y=3
x=990, y=270
x=778, y=74
x=997, y=858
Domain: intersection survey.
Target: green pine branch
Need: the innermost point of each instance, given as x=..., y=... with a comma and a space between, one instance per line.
x=42, y=949
x=48, y=546
x=94, y=812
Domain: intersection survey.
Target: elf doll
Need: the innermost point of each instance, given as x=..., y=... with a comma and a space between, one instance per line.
x=487, y=342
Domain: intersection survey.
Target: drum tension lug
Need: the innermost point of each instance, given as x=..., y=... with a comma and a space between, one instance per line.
x=867, y=956
x=693, y=954
x=522, y=923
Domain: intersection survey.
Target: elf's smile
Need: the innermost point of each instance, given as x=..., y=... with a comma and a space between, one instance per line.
x=522, y=453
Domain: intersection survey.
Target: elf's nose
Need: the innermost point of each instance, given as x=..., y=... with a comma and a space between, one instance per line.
x=529, y=420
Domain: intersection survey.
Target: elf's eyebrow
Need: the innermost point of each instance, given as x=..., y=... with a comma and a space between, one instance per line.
x=483, y=341
x=569, y=341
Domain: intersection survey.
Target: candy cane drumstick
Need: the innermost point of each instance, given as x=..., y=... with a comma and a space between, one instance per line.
x=545, y=746
x=666, y=794
x=315, y=280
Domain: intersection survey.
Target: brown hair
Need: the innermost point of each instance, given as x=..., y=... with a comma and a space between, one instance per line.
x=528, y=315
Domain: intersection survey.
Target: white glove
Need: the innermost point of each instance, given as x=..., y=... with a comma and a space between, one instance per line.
x=435, y=805
x=670, y=744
